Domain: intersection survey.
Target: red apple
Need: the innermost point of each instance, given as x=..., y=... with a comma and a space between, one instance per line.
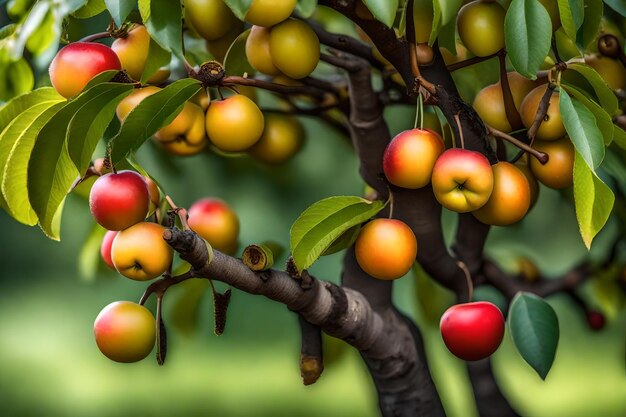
x=410, y=157
x=118, y=201
x=472, y=331
x=215, y=222
x=105, y=247
x=77, y=63
x=462, y=180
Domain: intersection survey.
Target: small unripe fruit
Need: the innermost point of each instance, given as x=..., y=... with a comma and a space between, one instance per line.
x=131, y=101
x=258, y=51
x=386, y=248
x=181, y=147
x=188, y=125
x=510, y=199
x=552, y=127
x=105, y=247
x=409, y=158
x=472, y=331
x=118, y=201
x=133, y=51
x=462, y=180
x=77, y=63
x=269, y=12
x=211, y=19
x=596, y=320
x=234, y=124
x=215, y=222
x=140, y=253
x=125, y=331
x=295, y=48
x=481, y=27
x=282, y=138
x=558, y=172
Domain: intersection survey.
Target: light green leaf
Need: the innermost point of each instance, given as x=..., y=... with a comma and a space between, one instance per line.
x=120, y=9
x=163, y=19
x=16, y=145
x=91, y=9
x=150, y=115
x=606, y=97
x=603, y=120
x=619, y=136
x=593, y=200
x=91, y=120
x=572, y=15
x=527, y=35
x=325, y=221
x=239, y=7
x=344, y=241
x=534, y=328
x=437, y=23
x=235, y=60
x=18, y=104
x=582, y=129
x=383, y=10
x=46, y=34
x=449, y=10
x=15, y=78
x=306, y=8
x=89, y=256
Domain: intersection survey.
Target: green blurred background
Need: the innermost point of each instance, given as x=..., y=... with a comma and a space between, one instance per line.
x=50, y=365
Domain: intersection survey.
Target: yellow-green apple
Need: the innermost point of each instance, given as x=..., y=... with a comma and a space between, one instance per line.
x=210, y=19
x=269, y=12
x=77, y=63
x=258, y=50
x=481, y=27
x=386, y=248
x=295, y=48
x=140, y=252
x=217, y=223
x=462, y=180
x=118, y=201
x=409, y=158
x=125, y=331
x=510, y=199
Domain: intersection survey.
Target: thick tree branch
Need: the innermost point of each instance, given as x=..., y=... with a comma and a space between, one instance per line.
x=489, y=399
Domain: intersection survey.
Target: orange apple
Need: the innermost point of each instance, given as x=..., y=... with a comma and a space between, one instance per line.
x=558, y=173
x=140, y=253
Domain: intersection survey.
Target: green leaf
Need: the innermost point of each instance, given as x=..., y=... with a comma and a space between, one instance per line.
x=572, y=15
x=594, y=9
x=18, y=104
x=449, y=10
x=619, y=136
x=344, y=241
x=51, y=171
x=593, y=200
x=157, y=58
x=534, y=328
x=91, y=120
x=383, y=10
x=618, y=5
x=527, y=35
x=582, y=129
x=120, y=9
x=150, y=115
x=437, y=23
x=323, y=222
x=184, y=310
x=603, y=120
x=16, y=145
x=306, y=8
x=606, y=97
x=235, y=60
x=89, y=256
x=90, y=9
x=163, y=19
x=447, y=37
x=239, y=7
x=15, y=78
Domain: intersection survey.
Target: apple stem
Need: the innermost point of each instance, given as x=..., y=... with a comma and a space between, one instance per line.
x=460, y=129
x=96, y=36
x=390, y=203
x=468, y=278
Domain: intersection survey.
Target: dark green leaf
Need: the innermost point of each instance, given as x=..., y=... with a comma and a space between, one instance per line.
x=572, y=15
x=603, y=92
x=157, y=58
x=235, y=60
x=239, y=7
x=150, y=115
x=103, y=77
x=323, y=222
x=534, y=328
x=618, y=5
x=582, y=129
x=447, y=37
x=90, y=121
x=306, y=8
x=593, y=200
x=619, y=136
x=17, y=105
x=15, y=78
x=603, y=120
x=120, y=9
x=383, y=10
x=527, y=34
x=90, y=9
x=89, y=256
x=163, y=19
x=594, y=9
x=16, y=145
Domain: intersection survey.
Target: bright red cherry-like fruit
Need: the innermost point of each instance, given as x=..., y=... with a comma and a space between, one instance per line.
x=472, y=331
x=125, y=331
x=410, y=157
x=77, y=63
x=105, y=247
x=118, y=201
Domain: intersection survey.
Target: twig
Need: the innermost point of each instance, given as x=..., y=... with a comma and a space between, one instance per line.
x=541, y=156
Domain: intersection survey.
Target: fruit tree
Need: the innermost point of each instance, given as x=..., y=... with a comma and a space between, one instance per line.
x=509, y=100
